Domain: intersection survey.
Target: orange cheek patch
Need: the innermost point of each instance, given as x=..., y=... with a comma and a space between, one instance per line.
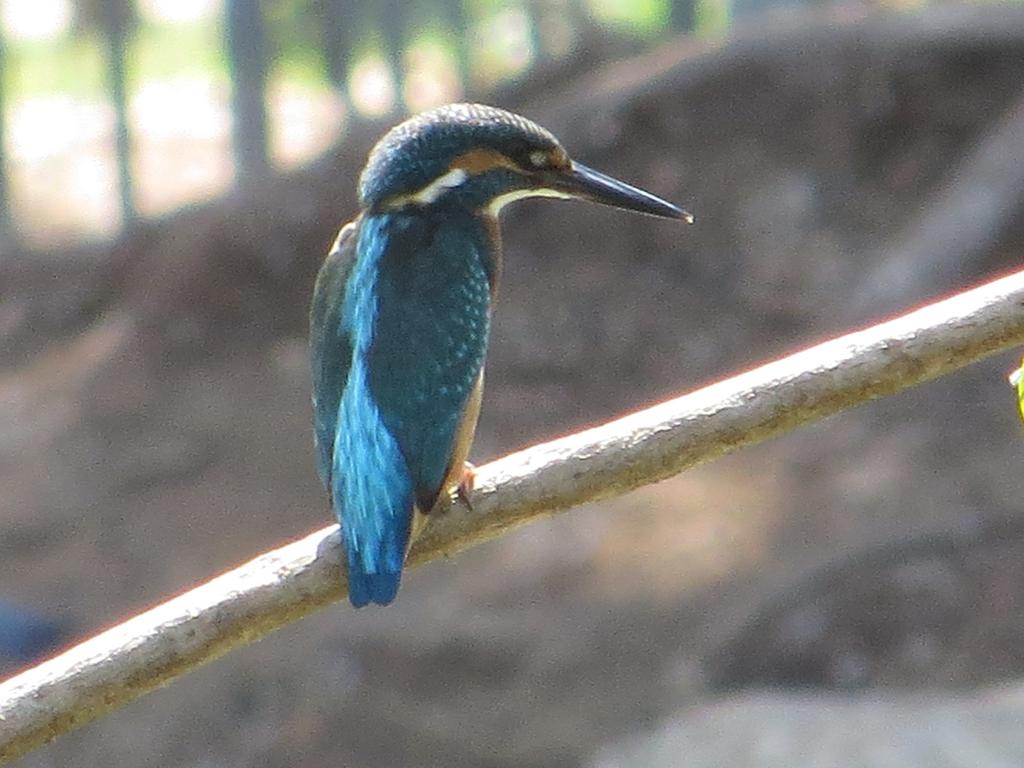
x=559, y=159
x=480, y=161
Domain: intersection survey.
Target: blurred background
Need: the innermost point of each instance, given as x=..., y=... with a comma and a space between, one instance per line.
x=171, y=173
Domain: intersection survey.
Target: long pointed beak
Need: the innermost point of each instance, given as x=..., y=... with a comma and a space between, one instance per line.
x=587, y=184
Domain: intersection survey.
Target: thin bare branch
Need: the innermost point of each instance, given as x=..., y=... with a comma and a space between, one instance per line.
x=152, y=649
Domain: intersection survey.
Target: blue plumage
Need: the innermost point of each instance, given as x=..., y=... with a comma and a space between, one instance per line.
x=410, y=311
x=433, y=316
x=330, y=347
x=401, y=314
x=370, y=479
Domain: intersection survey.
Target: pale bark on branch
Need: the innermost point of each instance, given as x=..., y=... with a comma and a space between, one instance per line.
x=279, y=587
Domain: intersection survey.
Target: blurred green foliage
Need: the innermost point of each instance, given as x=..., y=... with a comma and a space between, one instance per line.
x=644, y=17
x=713, y=17
x=73, y=63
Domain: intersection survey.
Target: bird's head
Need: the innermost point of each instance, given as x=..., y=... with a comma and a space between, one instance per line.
x=482, y=158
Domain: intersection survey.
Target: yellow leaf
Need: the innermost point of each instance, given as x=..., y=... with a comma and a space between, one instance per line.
x=1017, y=380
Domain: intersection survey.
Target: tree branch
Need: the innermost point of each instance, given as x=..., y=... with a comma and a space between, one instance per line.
x=279, y=587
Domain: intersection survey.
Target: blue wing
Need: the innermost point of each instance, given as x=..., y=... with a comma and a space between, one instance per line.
x=330, y=347
x=356, y=458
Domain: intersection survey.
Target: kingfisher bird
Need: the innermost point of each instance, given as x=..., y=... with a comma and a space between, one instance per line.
x=401, y=315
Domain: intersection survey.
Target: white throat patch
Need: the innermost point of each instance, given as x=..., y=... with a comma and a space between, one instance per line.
x=439, y=186
x=520, y=194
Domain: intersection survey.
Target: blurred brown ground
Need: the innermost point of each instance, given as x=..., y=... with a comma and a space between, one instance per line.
x=159, y=425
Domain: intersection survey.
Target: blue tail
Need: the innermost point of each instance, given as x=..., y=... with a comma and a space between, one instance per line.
x=372, y=494
x=366, y=588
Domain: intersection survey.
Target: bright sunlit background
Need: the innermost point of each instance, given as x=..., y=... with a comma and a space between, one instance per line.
x=60, y=118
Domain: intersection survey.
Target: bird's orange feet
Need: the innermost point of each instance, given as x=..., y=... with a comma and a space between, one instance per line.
x=465, y=486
